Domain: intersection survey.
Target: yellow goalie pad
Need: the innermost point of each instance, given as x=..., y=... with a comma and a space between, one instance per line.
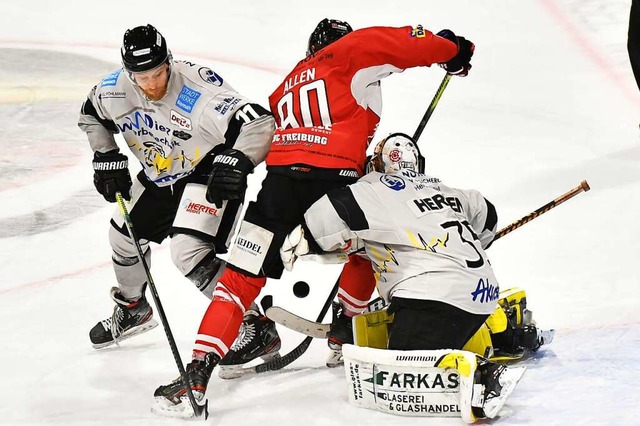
x=371, y=329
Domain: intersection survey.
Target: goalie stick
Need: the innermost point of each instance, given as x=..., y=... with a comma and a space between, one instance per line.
x=200, y=411
x=583, y=187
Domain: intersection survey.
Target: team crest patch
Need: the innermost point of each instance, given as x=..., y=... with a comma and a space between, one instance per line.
x=395, y=155
x=394, y=182
x=418, y=32
x=210, y=76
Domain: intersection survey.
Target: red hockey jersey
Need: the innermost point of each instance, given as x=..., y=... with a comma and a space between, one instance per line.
x=328, y=107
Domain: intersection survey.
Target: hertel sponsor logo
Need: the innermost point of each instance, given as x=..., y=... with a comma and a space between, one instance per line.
x=180, y=120
x=198, y=208
x=249, y=245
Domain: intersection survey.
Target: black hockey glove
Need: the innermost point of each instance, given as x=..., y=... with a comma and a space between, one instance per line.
x=111, y=174
x=228, y=177
x=460, y=64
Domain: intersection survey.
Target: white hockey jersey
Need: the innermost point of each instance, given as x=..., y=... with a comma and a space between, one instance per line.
x=171, y=136
x=425, y=240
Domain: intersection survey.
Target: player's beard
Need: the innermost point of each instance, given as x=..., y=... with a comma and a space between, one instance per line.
x=157, y=93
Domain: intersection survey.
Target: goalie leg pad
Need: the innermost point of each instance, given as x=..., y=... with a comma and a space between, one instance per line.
x=407, y=383
x=428, y=383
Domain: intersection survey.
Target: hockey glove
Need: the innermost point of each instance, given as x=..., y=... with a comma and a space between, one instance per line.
x=297, y=246
x=228, y=177
x=460, y=64
x=111, y=175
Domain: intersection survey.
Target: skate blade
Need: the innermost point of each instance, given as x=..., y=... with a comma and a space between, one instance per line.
x=546, y=336
x=509, y=379
x=163, y=407
x=149, y=325
x=229, y=372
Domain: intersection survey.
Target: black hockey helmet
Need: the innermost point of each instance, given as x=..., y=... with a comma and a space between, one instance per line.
x=143, y=49
x=396, y=152
x=326, y=32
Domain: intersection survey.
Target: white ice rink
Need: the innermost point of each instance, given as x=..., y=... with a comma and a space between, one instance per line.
x=550, y=101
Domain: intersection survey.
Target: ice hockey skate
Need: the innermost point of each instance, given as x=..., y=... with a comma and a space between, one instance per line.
x=522, y=336
x=341, y=332
x=129, y=319
x=258, y=338
x=492, y=385
x=172, y=400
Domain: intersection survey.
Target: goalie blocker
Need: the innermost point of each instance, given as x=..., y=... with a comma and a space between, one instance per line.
x=434, y=383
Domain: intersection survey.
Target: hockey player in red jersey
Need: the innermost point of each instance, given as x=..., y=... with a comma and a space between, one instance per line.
x=326, y=112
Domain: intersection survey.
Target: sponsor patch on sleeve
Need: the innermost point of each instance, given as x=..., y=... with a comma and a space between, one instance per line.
x=111, y=79
x=418, y=32
x=210, y=76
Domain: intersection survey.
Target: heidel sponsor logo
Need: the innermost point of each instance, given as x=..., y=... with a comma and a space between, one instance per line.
x=198, y=208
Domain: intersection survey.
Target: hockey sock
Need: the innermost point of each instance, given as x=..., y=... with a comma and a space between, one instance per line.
x=356, y=285
x=221, y=322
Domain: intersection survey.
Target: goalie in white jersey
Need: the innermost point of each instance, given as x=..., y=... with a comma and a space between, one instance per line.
x=426, y=244
x=197, y=139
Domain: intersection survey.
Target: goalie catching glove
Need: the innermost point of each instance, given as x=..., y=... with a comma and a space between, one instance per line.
x=228, y=177
x=297, y=244
x=111, y=175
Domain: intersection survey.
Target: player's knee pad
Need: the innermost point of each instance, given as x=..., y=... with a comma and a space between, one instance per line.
x=206, y=274
x=197, y=261
x=130, y=274
x=123, y=245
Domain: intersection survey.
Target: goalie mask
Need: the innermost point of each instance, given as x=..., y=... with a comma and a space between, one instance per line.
x=396, y=152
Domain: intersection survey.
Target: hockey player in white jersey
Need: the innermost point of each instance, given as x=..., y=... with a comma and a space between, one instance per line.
x=197, y=139
x=426, y=242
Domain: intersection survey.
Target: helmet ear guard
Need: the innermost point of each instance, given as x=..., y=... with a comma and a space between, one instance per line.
x=327, y=31
x=396, y=152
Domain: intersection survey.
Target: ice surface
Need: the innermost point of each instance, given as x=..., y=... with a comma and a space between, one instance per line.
x=550, y=101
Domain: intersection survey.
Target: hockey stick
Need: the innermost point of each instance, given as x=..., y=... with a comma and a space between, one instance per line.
x=432, y=107
x=199, y=410
x=295, y=353
x=583, y=187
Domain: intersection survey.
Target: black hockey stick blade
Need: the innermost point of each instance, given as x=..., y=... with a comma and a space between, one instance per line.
x=280, y=363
